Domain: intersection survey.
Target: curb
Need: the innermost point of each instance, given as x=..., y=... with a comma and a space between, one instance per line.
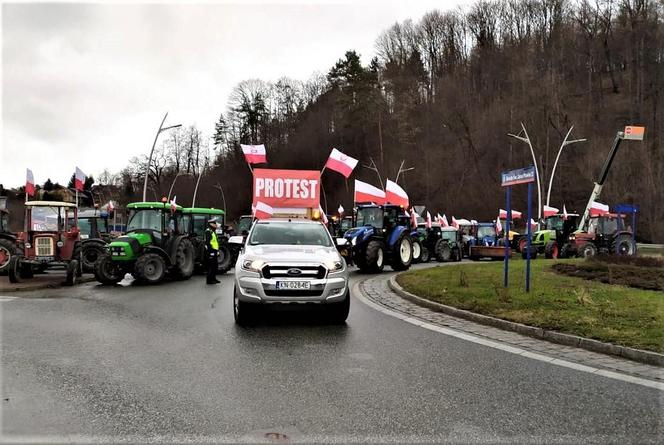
x=50, y=285
x=639, y=355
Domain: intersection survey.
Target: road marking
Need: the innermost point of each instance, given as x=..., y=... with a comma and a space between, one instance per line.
x=4, y=298
x=503, y=347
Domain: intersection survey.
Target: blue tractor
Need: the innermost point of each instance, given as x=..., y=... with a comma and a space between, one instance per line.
x=381, y=236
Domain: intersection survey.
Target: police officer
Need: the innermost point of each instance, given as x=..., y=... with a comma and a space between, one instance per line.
x=212, y=251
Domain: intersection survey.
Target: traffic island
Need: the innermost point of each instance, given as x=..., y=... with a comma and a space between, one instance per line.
x=49, y=280
x=604, y=318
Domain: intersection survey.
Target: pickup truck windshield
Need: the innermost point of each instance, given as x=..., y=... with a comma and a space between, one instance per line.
x=290, y=234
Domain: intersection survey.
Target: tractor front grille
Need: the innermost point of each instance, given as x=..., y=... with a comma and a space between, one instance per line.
x=44, y=246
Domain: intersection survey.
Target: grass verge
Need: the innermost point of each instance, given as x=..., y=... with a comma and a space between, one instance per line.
x=611, y=313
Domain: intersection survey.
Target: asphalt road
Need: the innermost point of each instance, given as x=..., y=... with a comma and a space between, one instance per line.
x=167, y=363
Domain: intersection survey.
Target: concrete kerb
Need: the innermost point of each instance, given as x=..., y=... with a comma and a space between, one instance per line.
x=648, y=357
x=11, y=288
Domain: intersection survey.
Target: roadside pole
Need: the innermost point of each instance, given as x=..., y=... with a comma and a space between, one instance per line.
x=508, y=219
x=529, y=234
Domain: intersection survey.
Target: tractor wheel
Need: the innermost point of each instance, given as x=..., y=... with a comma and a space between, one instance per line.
x=458, y=256
x=417, y=251
x=624, y=245
x=91, y=253
x=7, y=251
x=402, y=256
x=373, y=259
x=588, y=250
x=522, y=245
x=425, y=255
x=224, y=258
x=14, y=269
x=73, y=266
x=551, y=250
x=443, y=251
x=183, y=262
x=533, y=253
x=150, y=268
x=25, y=271
x=108, y=271
x=564, y=251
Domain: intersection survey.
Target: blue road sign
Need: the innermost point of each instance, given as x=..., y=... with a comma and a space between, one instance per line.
x=518, y=176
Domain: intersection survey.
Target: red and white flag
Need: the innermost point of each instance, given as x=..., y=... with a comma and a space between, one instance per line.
x=79, y=179
x=549, y=211
x=428, y=223
x=263, y=211
x=413, y=218
x=499, y=226
x=174, y=205
x=110, y=207
x=29, y=183
x=341, y=163
x=368, y=193
x=533, y=224
x=598, y=209
x=565, y=214
x=455, y=223
x=443, y=221
x=503, y=214
x=254, y=154
x=323, y=216
x=340, y=209
x=395, y=194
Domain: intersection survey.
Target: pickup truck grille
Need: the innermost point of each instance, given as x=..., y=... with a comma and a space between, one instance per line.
x=282, y=271
x=294, y=293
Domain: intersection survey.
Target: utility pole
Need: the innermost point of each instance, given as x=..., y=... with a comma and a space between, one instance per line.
x=147, y=169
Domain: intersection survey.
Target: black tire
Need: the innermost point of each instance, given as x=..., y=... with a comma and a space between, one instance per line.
x=417, y=251
x=25, y=271
x=624, y=245
x=459, y=256
x=588, y=250
x=564, y=251
x=91, y=253
x=243, y=312
x=338, y=312
x=372, y=259
x=402, y=256
x=77, y=255
x=14, y=269
x=150, y=268
x=443, y=251
x=108, y=271
x=73, y=266
x=533, y=253
x=224, y=259
x=183, y=260
x=7, y=251
x=426, y=257
x=551, y=250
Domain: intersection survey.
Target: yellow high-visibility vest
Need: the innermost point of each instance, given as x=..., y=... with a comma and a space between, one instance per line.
x=213, y=241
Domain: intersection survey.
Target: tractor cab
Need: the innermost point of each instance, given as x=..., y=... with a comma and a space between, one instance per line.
x=194, y=222
x=553, y=238
x=93, y=223
x=605, y=234
x=51, y=239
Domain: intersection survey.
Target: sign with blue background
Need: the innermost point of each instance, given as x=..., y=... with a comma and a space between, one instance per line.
x=518, y=176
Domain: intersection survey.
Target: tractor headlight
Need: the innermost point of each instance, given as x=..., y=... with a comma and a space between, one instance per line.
x=59, y=244
x=28, y=245
x=334, y=265
x=253, y=265
x=353, y=241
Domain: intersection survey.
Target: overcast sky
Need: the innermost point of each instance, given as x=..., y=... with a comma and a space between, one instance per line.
x=88, y=84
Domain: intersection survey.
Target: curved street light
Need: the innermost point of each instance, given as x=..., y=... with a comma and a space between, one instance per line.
x=537, y=176
x=147, y=173
x=555, y=164
x=173, y=183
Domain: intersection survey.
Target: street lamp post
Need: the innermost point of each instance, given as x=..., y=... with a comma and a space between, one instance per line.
x=173, y=184
x=526, y=139
x=402, y=170
x=555, y=164
x=147, y=172
x=221, y=189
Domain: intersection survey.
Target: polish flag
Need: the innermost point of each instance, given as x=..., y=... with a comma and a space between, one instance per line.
x=533, y=224
x=110, y=207
x=323, y=216
x=174, y=205
x=263, y=211
x=455, y=223
x=598, y=209
x=254, y=154
x=79, y=179
x=395, y=194
x=341, y=163
x=29, y=183
x=443, y=220
x=565, y=215
x=499, y=226
x=550, y=211
x=503, y=214
x=413, y=218
x=368, y=193
x=340, y=209
x=428, y=223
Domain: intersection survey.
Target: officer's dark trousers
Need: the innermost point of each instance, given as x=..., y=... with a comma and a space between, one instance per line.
x=212, y=266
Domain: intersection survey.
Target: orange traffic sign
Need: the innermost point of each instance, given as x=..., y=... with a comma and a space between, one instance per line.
x=634, y=133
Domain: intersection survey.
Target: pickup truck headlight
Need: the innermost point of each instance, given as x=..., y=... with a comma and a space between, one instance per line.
x=334, y=265
x=253, y=265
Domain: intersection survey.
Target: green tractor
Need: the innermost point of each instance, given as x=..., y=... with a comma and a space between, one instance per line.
x=553, y=239
x=153, y=247
x=194, y=222
x=93, y=225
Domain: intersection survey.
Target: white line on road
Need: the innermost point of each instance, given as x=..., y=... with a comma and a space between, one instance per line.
x=503, y=347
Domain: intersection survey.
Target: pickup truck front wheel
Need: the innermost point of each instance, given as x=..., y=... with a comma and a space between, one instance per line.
x=338, y=312
x=243, y=312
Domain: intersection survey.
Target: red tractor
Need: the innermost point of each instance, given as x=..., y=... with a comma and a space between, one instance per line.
x=606, y=234
x=51, y=239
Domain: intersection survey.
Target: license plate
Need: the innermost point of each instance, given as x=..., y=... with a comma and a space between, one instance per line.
x=293, y=285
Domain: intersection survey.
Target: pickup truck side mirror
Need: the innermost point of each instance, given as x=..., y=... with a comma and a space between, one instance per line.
x=238, y=239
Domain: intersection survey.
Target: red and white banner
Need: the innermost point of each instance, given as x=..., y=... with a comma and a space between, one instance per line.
x=287, y=188
x=598, y=209
x=549, y=211
x=502, y=214
x=341, y=163
x=394, y=194
x=499, y=226
x=455, y=223
x=263, y=211
x=29, y=183
x=428, y=223
x=323, y=216
x=79, y=179
x=368, y=193
x=254, y=154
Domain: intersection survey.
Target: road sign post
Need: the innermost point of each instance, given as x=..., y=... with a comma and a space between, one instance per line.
x=508, y=179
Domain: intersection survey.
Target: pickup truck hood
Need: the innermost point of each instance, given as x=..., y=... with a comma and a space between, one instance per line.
x=293, y=254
